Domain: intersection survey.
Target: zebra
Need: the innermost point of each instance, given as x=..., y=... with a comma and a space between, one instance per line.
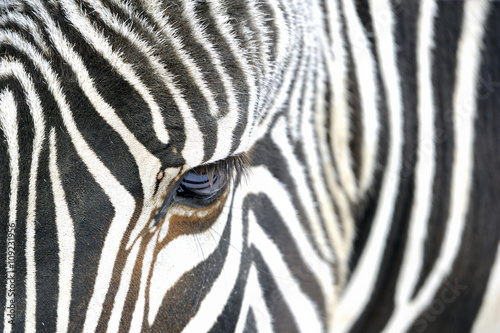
x=244, y=166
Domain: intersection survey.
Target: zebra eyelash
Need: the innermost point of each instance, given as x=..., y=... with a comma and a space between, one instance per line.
x=233, y=168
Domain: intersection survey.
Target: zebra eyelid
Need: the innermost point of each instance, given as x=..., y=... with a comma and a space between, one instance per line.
x=233, y=168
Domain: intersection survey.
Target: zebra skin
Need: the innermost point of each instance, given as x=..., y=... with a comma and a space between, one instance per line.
x=249, y=166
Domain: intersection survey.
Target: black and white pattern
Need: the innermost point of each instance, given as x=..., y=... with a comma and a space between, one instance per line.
x=249, y=166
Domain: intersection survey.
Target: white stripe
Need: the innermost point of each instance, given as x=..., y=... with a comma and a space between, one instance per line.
x=425, y=172
x=194, y=71
x=367, y=84
x=65, y=239
x=27, y=24
x=270, y=106
x=324, y=202
x=301, y=307
x=254, y=299
x=488, y=318
x=138, y=315
x=279, y=136
x=123, y=289
x=8, y=3
x=339, y=196
x=281, y=96
x=16, y=69
x=464, y=113
x=362, y=281
x=336, y=66
x=425, y=163
x=282, y=27
x=295, y=110
x=224, y=137
x=256, y=18
x=286, y=39
x=8, y=123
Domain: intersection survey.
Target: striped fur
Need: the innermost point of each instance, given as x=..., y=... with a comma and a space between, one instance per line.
x=370, y=131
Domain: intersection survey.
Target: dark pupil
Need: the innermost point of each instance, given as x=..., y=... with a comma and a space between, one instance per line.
x=198, y=184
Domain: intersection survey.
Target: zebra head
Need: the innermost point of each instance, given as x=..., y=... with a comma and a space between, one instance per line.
x=147, y=166
x=230, y=166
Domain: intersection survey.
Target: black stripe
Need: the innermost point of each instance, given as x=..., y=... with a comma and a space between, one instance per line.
x=228, y=319
x=282, y=318
x=92, y=214
x=250, y=325
x=366, y=208
x=459, y=298
x=5, y=179
x=274, y=226
x=46, y=248
x=266, y=153
x=448, y=25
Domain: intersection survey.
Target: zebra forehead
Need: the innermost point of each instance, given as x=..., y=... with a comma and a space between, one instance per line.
x=368, y=128
x=125, y=101
x=189, y=79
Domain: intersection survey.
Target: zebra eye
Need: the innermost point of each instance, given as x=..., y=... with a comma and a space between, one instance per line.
x=203, y=184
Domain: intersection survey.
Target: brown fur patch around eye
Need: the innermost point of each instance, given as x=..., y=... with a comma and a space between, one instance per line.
x=196, y=220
